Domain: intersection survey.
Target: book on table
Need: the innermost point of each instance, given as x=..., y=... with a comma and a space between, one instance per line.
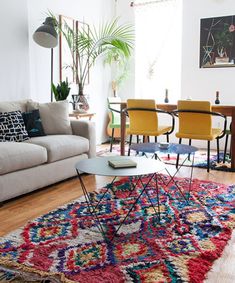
x=122, y=163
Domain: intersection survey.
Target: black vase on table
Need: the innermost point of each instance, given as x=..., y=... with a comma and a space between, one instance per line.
x=166, y=100
x=217, y=101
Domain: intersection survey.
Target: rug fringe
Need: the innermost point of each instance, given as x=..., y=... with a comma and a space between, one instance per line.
x=30, y=274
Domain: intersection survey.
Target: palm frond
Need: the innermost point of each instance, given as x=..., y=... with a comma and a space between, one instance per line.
x=87, y=44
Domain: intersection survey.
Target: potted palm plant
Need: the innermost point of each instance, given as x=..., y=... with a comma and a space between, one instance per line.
x=87, y=44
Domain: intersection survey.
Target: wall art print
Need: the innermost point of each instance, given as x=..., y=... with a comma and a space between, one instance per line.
x=217, y=42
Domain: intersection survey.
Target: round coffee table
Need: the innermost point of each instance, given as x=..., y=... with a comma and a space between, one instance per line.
x=173, y=148
x=100, y=166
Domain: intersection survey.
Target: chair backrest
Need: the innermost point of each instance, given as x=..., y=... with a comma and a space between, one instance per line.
x=115, y=116
x=195, y=123
x=142, y=120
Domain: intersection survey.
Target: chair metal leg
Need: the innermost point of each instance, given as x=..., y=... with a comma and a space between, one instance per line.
x=189, y=143
x=217, y=141
x=167, y=137
x=230, y=151
x=178, y=156
x=208, y=156
x=155, y=139
x=167, y=140
x=225, y=147
x=130, y=141
x=111, y=141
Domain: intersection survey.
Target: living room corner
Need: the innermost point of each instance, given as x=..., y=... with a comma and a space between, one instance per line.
x=117, y=141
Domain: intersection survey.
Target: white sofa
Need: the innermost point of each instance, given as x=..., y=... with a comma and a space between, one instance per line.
x=44, y=160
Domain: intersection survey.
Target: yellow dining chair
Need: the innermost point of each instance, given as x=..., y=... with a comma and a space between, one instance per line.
x=195, y=122
x=144, y=120
x=114, y=125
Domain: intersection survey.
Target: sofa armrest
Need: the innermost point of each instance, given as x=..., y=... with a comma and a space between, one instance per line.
x=85, y=129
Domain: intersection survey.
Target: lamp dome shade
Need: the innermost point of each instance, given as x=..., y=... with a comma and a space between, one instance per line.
x=46, y=35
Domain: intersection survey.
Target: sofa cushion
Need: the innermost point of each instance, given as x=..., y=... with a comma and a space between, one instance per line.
x=12, y=127
x=54, y=116
x=61, y=146
x=16, y=156
x=33, y=123
x=7, y=106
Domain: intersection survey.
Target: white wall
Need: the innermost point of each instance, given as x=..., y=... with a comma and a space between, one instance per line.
x=126, y=14
x=203, y=83
x=91, y=12
x=14, y=50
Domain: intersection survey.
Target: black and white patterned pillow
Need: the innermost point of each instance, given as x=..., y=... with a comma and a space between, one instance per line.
x=12, y=127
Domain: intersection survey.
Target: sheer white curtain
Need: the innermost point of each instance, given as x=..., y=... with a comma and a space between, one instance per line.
x=158, y=49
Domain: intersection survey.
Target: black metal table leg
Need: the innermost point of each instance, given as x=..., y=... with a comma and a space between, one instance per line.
x=92, y=209
x=134, y=204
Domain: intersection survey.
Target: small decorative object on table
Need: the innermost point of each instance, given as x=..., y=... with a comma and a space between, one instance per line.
x=217, y=101
x=78, y=108
x=164, y=145
x=166, y=100
x=74, y=100
x=123, y=163
x=84, y=105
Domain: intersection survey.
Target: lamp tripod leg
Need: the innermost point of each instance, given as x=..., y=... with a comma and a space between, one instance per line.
x=51, y=73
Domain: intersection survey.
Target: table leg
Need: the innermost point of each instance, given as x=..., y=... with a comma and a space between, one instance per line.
x=91, y=208
x=144, y=189
x=191, y=177
x=177, y=170
x=157, y=189
x=123, y=130
x=233, y=141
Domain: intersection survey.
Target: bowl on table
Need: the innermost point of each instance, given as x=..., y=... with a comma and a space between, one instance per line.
x=164, y=145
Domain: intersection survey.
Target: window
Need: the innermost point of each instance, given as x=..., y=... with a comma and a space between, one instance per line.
x=158, y=49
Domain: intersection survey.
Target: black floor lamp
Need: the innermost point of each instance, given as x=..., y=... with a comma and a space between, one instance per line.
x=46, y=36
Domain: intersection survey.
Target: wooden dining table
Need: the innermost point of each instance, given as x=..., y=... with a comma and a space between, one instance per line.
x=227, y=110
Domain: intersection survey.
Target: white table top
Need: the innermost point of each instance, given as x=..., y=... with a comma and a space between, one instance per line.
x=99, y=166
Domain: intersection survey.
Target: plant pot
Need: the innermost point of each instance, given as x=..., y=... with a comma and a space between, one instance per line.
x=83, y=103
x=79, y=102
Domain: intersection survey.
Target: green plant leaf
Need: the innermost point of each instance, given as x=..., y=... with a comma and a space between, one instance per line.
x=110, y=39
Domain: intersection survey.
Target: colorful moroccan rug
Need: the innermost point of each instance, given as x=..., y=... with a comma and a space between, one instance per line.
x=199, y=161
x=66, y=246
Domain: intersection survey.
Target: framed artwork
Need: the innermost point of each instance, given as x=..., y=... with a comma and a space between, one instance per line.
x=217, y=42
x=69, y=61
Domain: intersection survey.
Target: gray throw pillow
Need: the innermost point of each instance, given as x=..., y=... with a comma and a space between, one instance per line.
x=19, y=105
x=54, y=116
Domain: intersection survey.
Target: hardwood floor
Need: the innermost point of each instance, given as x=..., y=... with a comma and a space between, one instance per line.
x=15, y=213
